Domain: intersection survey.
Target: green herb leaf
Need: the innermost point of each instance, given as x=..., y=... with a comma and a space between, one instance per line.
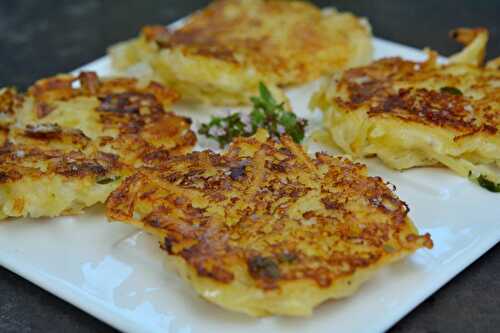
x=485, y=183
x=488, y=184
x=293, y=126
x=104, y=181
x=267, y=113
x=264, y=267
x=452, y=91
x=389, y=248
x=225, y=129
x=266, y=95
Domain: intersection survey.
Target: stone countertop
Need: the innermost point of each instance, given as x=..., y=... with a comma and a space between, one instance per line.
x=41, y=38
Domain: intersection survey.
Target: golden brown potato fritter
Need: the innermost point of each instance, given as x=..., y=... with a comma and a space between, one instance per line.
x=69, y=141
x=265, y=229
x=220, y=53
x=420, y=113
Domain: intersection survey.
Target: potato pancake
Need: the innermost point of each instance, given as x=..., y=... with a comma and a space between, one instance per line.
x=265, y=229
x=67, y=142
x=221, y=53
x=49, y=171
x=420, y=113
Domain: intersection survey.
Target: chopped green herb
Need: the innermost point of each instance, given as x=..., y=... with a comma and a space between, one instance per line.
x=485, y=183
x=224, y=130
x=452, y=91
x=264, y=267
x=266, y=113
x=389, y=248
x=488, y=184
x=104, y=181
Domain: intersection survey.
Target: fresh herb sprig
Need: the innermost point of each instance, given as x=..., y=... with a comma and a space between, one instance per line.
x=224, y=129
x=267, y=113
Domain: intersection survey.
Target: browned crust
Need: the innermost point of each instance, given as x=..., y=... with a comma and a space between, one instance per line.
x=244, y=33
x=19, y=161
x=137, y=112
x=136, y=115
x=220, y=211
x=10, y=99
x=4, y=133
x=394, y=87
x=47, y=136
x=63, y=87
x=465, y=36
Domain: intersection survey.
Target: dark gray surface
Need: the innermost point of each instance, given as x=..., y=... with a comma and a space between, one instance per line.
x=40, y=38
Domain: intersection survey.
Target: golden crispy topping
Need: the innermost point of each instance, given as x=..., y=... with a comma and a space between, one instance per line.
x=465, y=36
x=294, y=41
x=475, y=41
x=421, y=113
x=9, y=175
x=20, y=160
x=74, y=168
x=89, y=82
x=63, y=87
x=86, y=131
x=129, y=103
x=458, y=97
x=55, y=88
x=120, y=115
x=49, y=136
x=43, y=131
x=268, y=207
x=42, y=109
x=9, y=99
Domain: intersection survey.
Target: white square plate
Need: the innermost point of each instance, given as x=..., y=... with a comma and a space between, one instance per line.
x=116, y=273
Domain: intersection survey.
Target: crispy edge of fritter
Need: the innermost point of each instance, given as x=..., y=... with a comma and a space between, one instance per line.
x=294, y=298
x=139, y=58
x=62, y=87
x=120, y=95
x=38, y=182
x=10, y=99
